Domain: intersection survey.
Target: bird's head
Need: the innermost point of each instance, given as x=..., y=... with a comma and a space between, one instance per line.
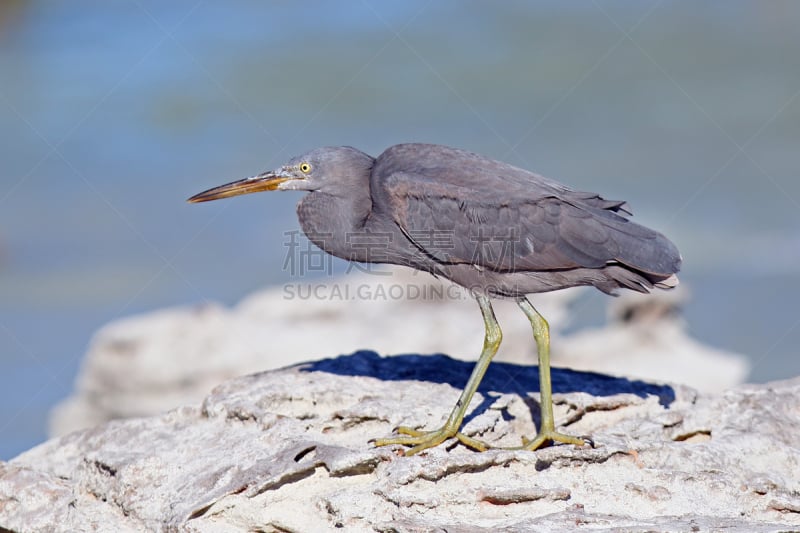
x=329, y=169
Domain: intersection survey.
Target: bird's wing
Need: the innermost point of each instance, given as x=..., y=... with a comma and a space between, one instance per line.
x=497, y=226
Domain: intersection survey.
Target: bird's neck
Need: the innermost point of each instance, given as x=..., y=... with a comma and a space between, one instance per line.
x=335, y=223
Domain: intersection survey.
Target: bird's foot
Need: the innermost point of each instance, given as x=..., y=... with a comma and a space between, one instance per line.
x=422, y=440
x=551, y=435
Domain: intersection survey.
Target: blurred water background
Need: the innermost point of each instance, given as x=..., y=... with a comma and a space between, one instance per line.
x=112, y=113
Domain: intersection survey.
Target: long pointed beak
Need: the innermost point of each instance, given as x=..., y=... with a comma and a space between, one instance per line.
x=268, y=181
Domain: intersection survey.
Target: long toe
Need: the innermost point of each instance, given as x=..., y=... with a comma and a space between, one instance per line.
x=544, y=437
x=422, y=440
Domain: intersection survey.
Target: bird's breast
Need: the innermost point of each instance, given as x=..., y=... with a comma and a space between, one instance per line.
x=336, y=225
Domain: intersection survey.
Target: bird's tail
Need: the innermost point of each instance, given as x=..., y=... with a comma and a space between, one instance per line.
x=669, y=283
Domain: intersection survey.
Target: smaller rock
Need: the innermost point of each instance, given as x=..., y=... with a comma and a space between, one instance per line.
x=647, y=338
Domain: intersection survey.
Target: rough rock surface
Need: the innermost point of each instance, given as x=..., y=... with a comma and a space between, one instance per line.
x=147, y=364
x=288, y=450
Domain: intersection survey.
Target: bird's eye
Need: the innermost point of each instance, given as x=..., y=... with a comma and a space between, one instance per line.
x=305, y=168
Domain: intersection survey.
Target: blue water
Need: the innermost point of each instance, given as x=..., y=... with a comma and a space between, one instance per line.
x=112, y=113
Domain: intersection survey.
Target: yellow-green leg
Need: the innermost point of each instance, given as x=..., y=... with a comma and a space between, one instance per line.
x=547, y=431
x=422, y=440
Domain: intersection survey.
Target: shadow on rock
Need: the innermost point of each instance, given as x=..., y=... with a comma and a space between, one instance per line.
x=501, y=377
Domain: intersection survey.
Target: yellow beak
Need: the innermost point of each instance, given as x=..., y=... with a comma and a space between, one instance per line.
x=267, y=181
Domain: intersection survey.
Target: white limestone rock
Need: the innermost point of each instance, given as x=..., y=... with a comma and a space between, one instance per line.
x=288, y=450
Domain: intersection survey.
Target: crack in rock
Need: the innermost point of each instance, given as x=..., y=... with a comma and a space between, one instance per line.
x=500, y=496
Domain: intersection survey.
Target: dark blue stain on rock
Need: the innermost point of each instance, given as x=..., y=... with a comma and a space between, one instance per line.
x=506, y=378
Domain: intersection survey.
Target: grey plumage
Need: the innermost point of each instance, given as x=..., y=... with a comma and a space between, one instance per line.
x=504, y=219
